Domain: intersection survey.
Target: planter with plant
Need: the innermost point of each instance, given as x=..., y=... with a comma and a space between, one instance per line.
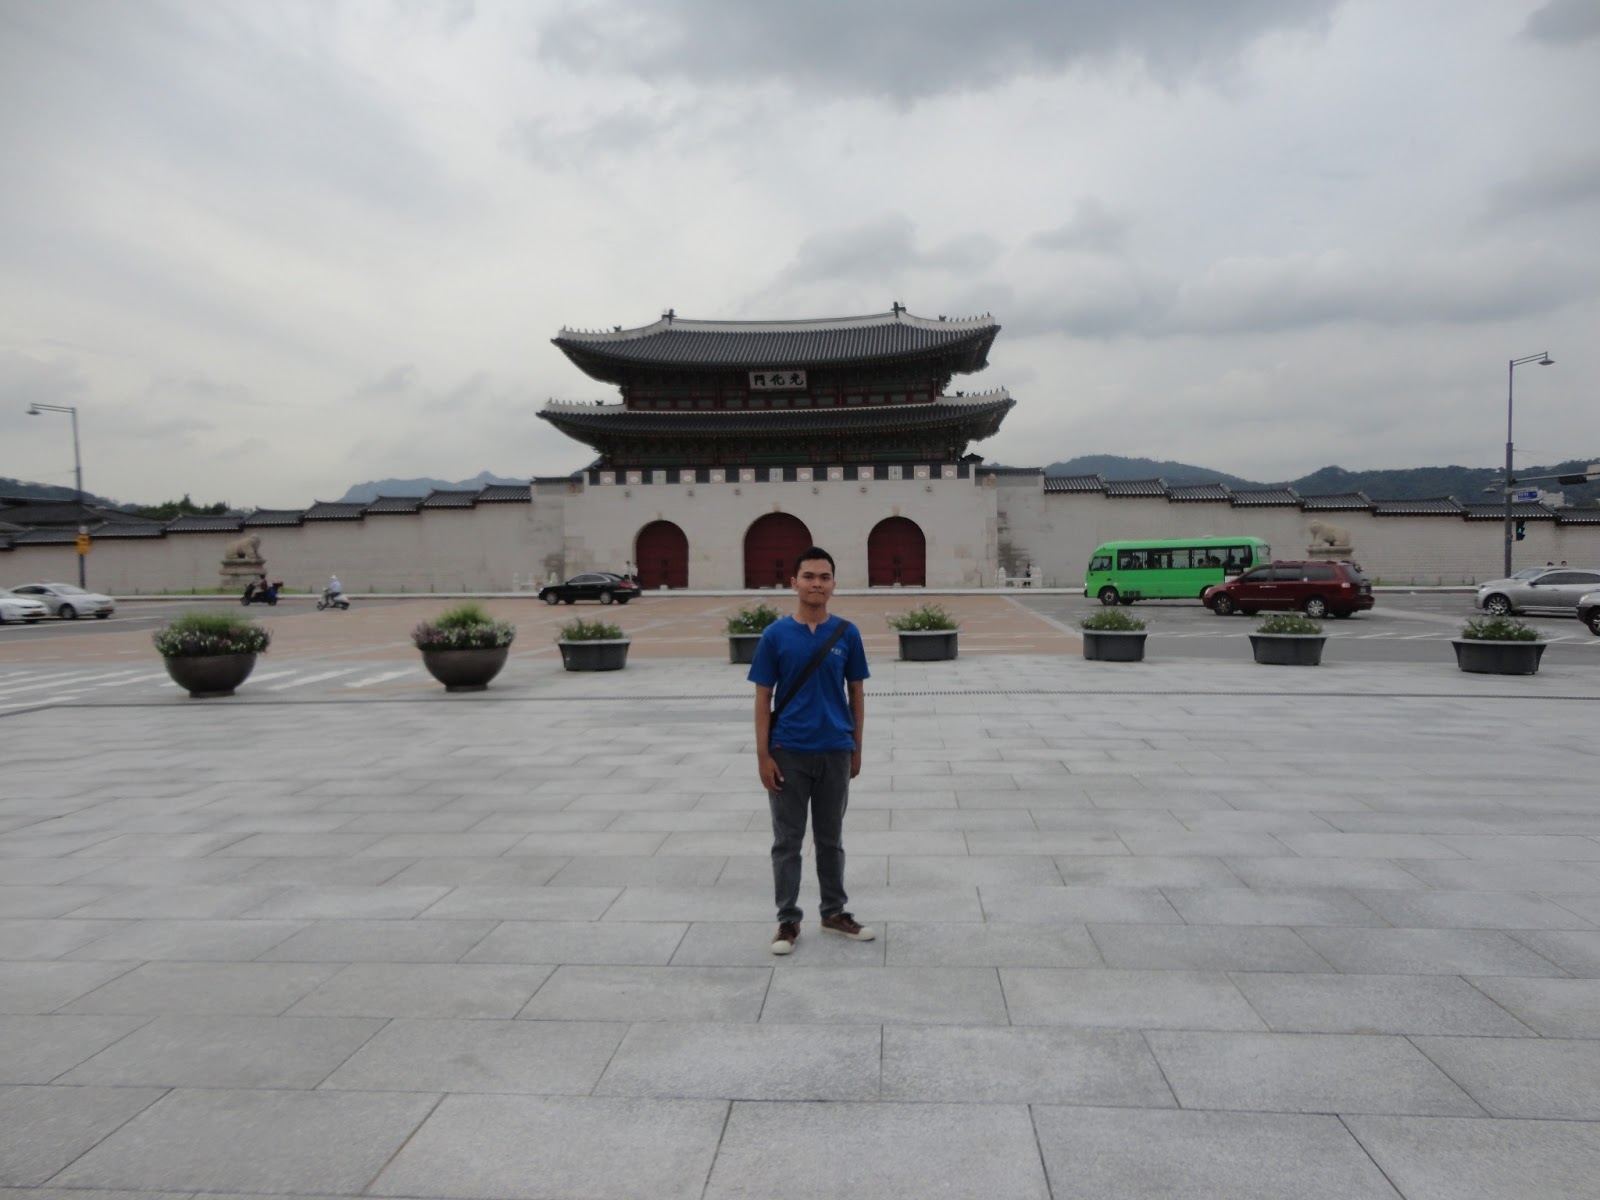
x=927, y=633
x=210, y=654
x=1498, y=646
x=592, y=646
x=464, y=647
x=1287, y=640
x=744, y=630
x=1111, y=635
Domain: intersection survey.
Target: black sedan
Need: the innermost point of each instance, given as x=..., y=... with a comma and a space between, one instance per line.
x=595, y=585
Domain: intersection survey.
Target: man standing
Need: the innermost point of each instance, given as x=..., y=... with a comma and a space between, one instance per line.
x=808, y=747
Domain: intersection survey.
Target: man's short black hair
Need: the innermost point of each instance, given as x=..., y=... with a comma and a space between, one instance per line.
x=814, y=552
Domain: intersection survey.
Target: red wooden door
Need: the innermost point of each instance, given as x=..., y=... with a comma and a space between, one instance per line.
x=771, y=545
x=662, y=554
x=897, y=552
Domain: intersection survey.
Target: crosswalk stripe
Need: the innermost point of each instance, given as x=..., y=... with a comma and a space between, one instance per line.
x=374, y=680
x=294, y=683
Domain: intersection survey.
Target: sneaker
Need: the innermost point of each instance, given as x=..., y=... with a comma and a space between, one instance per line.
x=788, y=934
x=844, y=923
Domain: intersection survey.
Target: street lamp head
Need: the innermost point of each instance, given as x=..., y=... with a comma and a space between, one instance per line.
x=1547, y=361
x=33, y=411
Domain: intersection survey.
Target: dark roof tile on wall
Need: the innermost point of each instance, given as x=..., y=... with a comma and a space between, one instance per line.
x=1198, y=491
x=324, y=510
x=1074, y=483
x=1497, y=512
x=1578, y=516
x=394, y=504
x=1264, y=497
x=45, y=537
x=275, y=516
x=506, y=493
x=444, y=499
x=128, y=531
x=196, y=524
x=983, y=412
x=1136, y=487
x=1439, y=506
x=1337, y=502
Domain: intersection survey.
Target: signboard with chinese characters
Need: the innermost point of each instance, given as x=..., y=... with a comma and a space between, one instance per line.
x=777, y=381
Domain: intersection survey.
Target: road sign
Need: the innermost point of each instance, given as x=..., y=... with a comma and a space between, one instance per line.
x=83, y=543
x=1529, y=495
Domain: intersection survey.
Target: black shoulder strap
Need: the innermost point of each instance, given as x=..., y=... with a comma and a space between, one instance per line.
x=811, y=667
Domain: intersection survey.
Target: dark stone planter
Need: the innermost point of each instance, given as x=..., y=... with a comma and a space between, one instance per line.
x=610, y=655
x=465, y=670
x=210, y=674
x=1113, y=645
x=928, y=645
x=1288, y=649
x=742, y=647
x=1498, y=658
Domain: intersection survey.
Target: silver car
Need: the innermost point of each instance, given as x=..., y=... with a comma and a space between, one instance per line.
x=69, y=601
x=21, y=608
x=1546, y=589
x=1589, y=611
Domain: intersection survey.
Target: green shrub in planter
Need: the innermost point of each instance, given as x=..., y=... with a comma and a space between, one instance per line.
x=1112, y=620
x=204, y=635
x=925, y=618
x=580, y=630
x=752, y=620
x=464, y=627
x=1499, y=629
x=1286, y=622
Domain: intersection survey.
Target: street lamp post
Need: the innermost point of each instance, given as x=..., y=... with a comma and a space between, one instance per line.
x=36, y=409
x=1544, y=360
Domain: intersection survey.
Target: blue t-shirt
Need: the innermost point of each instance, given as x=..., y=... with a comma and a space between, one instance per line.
x=818, y=718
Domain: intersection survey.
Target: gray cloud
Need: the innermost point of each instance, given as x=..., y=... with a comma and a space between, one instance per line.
x=908, y=51
x=1569, y=181
x=883, y=250
x=1563, y=22
x=1092, y=228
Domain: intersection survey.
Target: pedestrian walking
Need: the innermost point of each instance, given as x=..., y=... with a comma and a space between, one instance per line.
x=810, y=713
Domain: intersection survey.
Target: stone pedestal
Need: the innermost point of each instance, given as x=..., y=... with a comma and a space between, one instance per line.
x=236, y=572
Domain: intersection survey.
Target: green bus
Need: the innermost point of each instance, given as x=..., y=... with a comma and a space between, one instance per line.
x=1168, y=568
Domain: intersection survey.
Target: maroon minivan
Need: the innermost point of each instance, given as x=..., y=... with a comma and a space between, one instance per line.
x=1314, y=588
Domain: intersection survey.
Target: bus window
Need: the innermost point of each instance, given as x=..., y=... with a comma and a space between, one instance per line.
x=1100, y=562
x=1179, y=560
x=1130, y=560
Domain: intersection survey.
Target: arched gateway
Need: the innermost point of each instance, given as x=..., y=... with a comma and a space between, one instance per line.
x=770, y=546
x=662, y=554
x=897, y=552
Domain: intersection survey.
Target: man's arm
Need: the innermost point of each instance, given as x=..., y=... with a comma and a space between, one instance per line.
x=858, y=710
x=771, y=777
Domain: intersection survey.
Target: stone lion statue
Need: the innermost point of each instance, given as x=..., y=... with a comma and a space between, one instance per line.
x=245, y=549
x=1325, y=535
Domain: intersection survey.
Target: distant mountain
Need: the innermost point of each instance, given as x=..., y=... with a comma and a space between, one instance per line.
x=365, y=493
x=50, y=491
x=1466, y=484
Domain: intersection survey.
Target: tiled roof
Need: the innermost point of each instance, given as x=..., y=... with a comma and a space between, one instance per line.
x=440, y=499
x=45, y=537
x=1440, y=506
x=501, y=493
x=275, y=516
x=1198, y=491
x=1034, y=471
x=1074, y=483
x=673, y=342
x=1136, y=487
x=1527, y=511
x=1264, y=497
x=981, y=415
x=1578, y=516
x=33, y=514
x=152, y=530
x=394, y=504
x=324, y=510
x=197, y=524
x=1341, y=501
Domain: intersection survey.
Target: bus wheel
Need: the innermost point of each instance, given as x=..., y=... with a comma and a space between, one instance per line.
x=1108, y=596
x=1222, y=605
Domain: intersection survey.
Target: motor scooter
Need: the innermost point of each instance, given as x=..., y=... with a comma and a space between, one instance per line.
x=333, y=600
x=261, y=593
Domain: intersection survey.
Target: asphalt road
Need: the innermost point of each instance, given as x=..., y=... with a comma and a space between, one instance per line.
x=1410, y=627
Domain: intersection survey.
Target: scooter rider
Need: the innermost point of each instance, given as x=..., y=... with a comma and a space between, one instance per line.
x=334, y=590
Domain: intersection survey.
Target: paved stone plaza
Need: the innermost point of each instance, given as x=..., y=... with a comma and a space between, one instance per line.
x=1169, y=930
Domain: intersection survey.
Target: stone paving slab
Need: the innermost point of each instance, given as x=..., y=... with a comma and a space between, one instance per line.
x=516, y=944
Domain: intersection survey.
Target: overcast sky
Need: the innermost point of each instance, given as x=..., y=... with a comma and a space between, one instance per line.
x=273, y=249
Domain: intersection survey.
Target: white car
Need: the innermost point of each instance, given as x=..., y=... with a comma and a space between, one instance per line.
x=67, y=600
x=1538, y=589
x=21, y=608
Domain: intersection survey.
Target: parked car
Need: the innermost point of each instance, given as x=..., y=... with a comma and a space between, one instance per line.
x=21, y=608
x=592, y=585
x=1317, y=589
x=1550, y=589
x=68, y=601
x=1589, y=611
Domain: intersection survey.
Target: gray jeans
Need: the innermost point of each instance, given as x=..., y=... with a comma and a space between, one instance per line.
x=820, y=783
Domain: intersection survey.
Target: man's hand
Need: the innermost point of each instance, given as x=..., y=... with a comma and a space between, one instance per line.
x=771, y=777
x=855, y=763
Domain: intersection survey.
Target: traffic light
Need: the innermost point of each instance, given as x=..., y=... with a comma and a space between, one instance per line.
x=1522, y=530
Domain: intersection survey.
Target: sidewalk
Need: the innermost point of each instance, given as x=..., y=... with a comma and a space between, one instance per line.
x=1174, y=929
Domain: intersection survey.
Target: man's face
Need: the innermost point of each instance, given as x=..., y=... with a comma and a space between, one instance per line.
x=814, y=583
